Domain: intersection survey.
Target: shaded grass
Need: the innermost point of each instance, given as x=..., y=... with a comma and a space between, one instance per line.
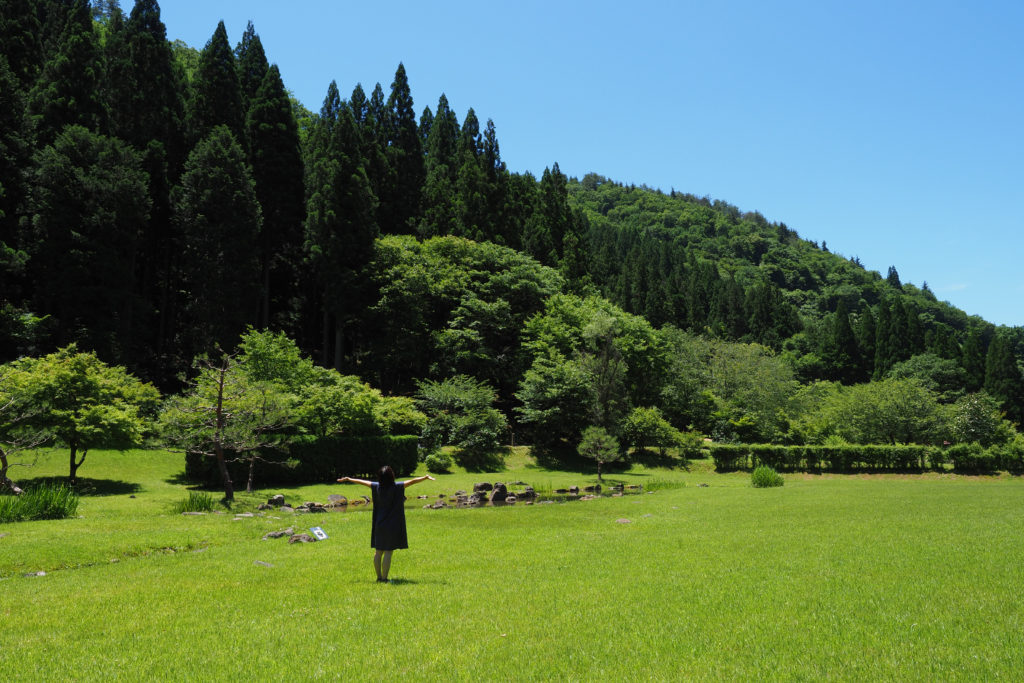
x=828, y=577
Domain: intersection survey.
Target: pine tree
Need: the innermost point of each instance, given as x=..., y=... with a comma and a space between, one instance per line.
x=340, y=229
x=251, y=63
x=440, y=214
x=841, y=352
x=1003, y=377
x=974, y=356
x=893, y=278
x=68, y=89
x=88, y=205
x=400, y=199
x=273, y=142
x=216, y=98
x=867, y=334
x=219, y=220
x=20, y=40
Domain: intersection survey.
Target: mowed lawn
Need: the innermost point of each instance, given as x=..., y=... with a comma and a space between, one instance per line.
x=842, y=577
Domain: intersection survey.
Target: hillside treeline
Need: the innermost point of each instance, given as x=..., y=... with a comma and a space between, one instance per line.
x=156, y=201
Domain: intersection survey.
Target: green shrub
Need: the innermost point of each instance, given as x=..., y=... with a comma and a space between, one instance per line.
x=765, y=477
x=49, y=501
x=439, y=463
x=971, y=457
x=197, y=501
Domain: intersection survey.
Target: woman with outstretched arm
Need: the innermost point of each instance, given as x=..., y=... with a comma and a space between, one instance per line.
x=387, y=532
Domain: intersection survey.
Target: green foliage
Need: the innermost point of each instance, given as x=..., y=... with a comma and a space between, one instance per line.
x=976, y=418
x=459, y=413
x=646, y=427
x=439, y=463
x=836, y=457
x=765, y=477
x=197, y=501
x=88, y=404
x=47, y=501
x=600, y=446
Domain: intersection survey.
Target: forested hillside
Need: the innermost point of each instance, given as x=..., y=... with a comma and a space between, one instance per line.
x=156, y=201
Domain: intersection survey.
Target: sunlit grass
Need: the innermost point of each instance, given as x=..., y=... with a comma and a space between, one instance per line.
x=841, y=577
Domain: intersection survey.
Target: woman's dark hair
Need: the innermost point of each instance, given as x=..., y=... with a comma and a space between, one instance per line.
x=386, y=477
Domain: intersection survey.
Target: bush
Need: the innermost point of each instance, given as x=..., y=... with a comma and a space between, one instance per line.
x=439, y=463
x=49, y=501
x=765, y=477
x=971, y=457
x=197, y=501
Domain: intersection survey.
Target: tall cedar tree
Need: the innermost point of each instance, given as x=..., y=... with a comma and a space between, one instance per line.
x=219, y=220
x=273, y=143
x=340, y=229
x=20, y=40
x=842, y=354
x=1003, y=377
x=68, y=89
x=14, y=158
x=89, y=203
x=400, y=199
x=216, y=98
x=470, y=183
x=439, y=193
x=974, y=356
x=251, y=62
x=152, y=121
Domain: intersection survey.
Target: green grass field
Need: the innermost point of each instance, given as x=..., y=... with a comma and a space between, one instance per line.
x=841, y=577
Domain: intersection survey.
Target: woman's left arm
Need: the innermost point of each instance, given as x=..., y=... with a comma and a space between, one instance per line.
x=417, y=480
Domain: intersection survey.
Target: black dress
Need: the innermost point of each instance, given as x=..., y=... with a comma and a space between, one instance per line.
x=388, y=530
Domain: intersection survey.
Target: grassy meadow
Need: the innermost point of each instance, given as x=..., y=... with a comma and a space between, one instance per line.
x=842, y=577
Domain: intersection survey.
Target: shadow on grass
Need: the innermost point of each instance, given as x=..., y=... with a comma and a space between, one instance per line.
x=85, y=486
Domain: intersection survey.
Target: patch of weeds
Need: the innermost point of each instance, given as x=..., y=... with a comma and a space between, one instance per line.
x=765, y=477
x=197, y=501
x=48, y=501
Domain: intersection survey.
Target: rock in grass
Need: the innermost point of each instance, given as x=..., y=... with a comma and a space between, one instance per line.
x=193, y=514
x=276, y=501
x=301, y=538
x=261, y=563
x=623, y=520
x=278, y=534
x=4, y=535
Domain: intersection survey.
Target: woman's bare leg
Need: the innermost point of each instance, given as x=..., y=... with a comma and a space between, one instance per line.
x=376, y=564
x=385, y=565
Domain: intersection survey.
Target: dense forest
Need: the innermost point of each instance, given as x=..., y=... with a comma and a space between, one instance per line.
x=158, y=201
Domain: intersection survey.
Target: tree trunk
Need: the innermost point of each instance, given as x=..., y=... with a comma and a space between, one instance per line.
x=252, y=474
x=6, y=483
x=599, y=463
x=229, y=490
x=72, y=475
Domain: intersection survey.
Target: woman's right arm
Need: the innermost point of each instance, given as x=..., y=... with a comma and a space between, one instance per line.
x=351, y=480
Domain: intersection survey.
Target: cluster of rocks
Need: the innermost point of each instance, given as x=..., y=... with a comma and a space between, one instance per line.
x=485, y=493
x=334, y=501
x=292, y=536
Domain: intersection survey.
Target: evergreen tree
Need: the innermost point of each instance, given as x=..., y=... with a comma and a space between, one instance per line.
x=400, y=199
x=20, y=33
x=340, y=229
x=276, y=160
x=88, y=205
x=841, y=352
x=893, y=278
x=867, y=335
x=974, y=357
x=219, y=220
x=440, y=214
x=68, y=89
x=1003, y=377
x=470, y=182
x=252, y=65
x=216, y=98
x=14, y=159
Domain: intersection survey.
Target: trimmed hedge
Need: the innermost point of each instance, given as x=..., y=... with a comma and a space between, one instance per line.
x=312, y=460
x=850, y=458
x=871, y=457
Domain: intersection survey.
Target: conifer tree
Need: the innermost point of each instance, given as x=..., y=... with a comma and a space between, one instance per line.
x=1003, y=380
x=974, y=357
x=867, y=334
x=68, y=89
x=88, y=206
x=251, y=62
x=400, y=198
x=440, y=214
x=841, y=352
x=219, y=220
x=216, y=97
x=276, y=160
x=340, y=229
x=20, y=40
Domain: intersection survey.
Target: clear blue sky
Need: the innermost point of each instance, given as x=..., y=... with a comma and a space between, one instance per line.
x=892, y=131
